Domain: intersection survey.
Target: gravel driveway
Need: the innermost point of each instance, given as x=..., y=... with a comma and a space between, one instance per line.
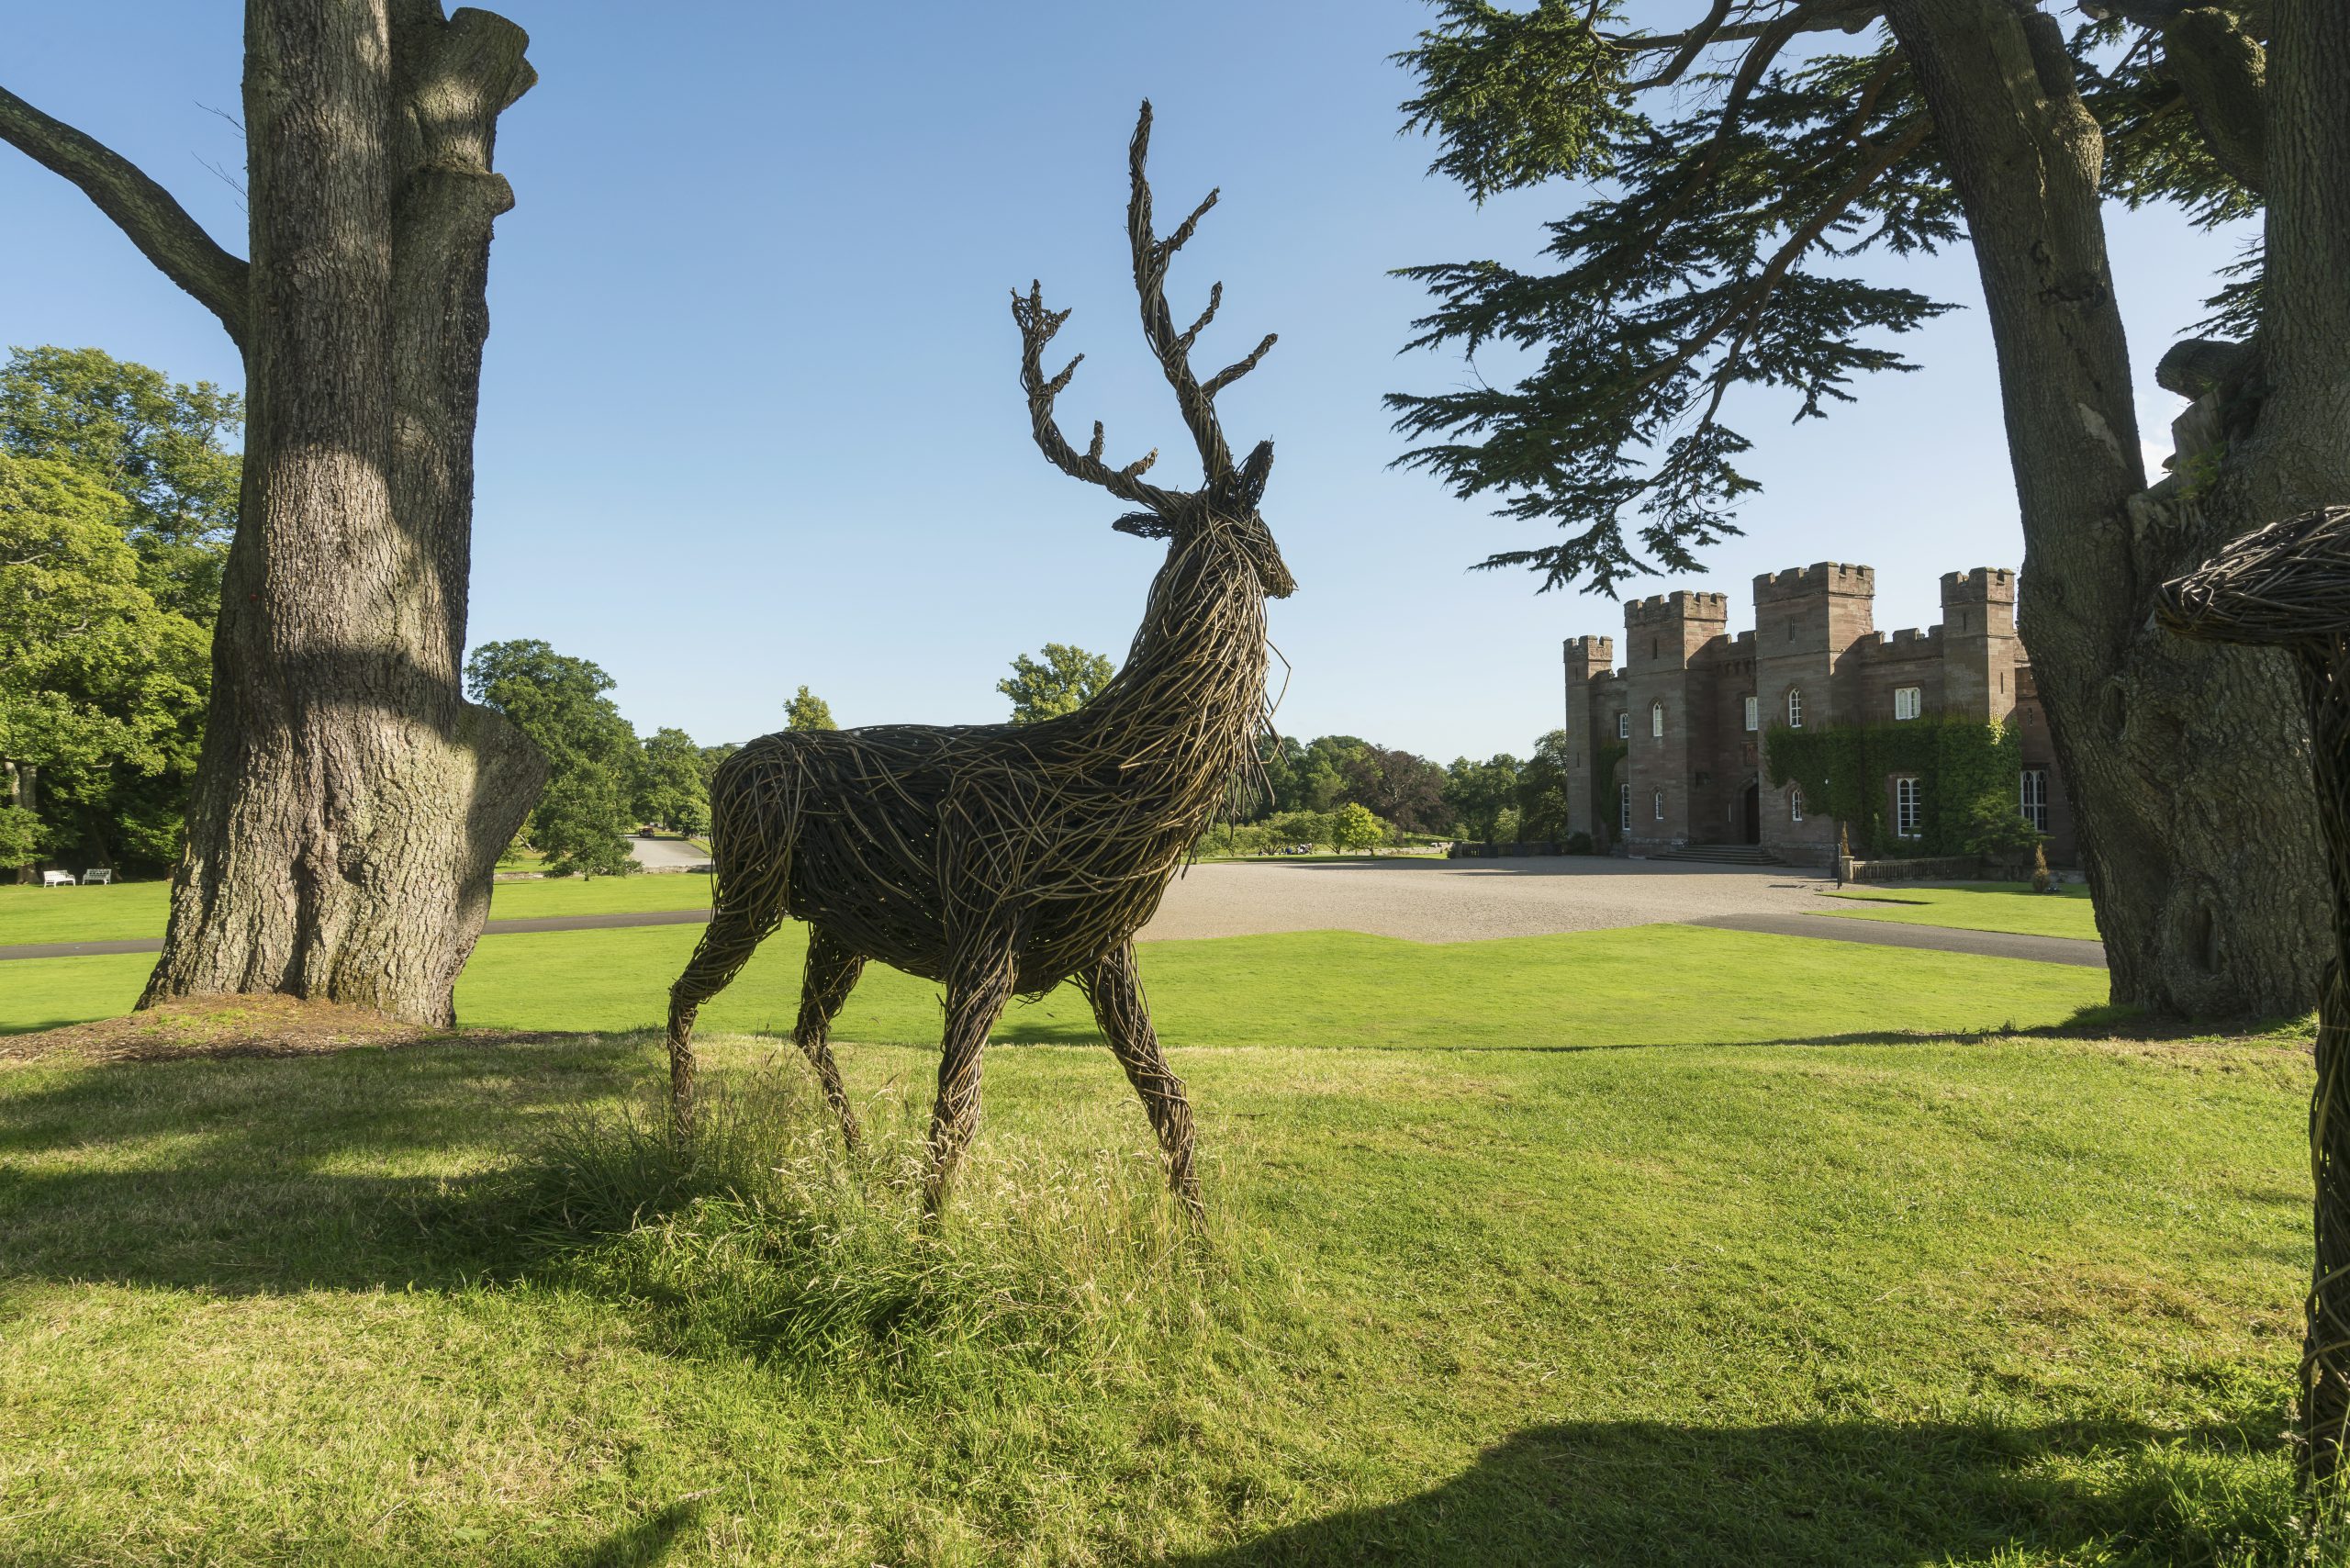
x=1466, y=901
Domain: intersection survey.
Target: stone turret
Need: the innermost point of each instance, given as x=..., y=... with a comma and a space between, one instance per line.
x=1979, y=647
x=1586, y=658
x=1663, y=635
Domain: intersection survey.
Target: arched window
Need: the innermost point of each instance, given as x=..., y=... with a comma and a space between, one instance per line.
x=1660, y=805
x=1656, y=719
x=1623, y=726
x=1794, y=804
x=1794, y=707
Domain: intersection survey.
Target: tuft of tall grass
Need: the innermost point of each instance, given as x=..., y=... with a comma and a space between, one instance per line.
x=764, y=1236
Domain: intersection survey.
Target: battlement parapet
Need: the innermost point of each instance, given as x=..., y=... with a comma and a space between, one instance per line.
x=1984, y=585
x=1594, y=651
x=1909, y=640
x=1681, y=604
x=1820, y=577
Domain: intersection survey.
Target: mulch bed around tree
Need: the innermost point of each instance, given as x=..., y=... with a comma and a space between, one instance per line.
x=231, y=1025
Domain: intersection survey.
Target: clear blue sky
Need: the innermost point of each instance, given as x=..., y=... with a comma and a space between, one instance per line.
x=751, y=416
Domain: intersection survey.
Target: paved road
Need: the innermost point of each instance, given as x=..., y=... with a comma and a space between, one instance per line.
x=1436, y=901
x=668, y=854
x=1940, y=938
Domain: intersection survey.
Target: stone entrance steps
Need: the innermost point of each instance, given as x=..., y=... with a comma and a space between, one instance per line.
x=1720, y=855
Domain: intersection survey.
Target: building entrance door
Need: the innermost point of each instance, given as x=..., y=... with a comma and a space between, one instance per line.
x=1754, y=814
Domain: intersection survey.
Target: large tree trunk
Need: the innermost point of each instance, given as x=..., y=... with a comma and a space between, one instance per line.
x=349, y=806
x=2189, y=766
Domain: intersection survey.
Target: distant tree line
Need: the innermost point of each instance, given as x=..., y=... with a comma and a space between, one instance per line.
x=1349, y=793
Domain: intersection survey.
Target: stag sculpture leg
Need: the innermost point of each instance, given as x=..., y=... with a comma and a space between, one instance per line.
x=1114, y=988
x=831, y=975
x=975, y=999
x=737, y=925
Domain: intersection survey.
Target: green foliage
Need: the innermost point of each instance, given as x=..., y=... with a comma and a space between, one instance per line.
x=1723, y=192
x=1996, y=826
x=670, y=789
x=1066, y=679
x=1398, y=786
x=1308, y=828
x=101, y=689
x=1542, y=792
x=162, y=447
x=1517, y=96
x=582, y=821
x=1845, y=771
x=1226, y=838
x=1353, y=827
x=1480, y=794
x=21, y=837
x=710, y=756
x=808, y=712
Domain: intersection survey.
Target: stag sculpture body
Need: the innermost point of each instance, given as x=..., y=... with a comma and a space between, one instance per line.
x=1000, y=860
x=2288, y=586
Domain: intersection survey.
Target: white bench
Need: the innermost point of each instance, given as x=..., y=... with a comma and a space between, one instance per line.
x=98, y=877
x=57, y=878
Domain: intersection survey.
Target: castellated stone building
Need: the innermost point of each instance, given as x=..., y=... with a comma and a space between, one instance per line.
x=1689, y=712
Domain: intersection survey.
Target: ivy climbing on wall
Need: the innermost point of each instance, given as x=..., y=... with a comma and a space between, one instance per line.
x=1845, y=770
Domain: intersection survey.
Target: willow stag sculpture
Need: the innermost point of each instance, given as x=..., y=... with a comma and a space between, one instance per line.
x=2288, y=586
x=1001, y=860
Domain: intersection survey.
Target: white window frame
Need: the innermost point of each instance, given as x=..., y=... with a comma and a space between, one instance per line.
x=1794, y=707
x=1753, y=714
x=1656, y=721
x=1623, y=808
x=1794, y=802
x=1909, y=701
x=1908, y=807
x=1624, y=725
x=1658, y=802
x=2033, y=798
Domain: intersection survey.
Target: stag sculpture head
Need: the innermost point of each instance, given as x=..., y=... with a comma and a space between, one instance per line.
x=1223, y=512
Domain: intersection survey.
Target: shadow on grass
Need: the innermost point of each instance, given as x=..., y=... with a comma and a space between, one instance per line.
x=1852, y=1492
x=249, y=1175
x=641, y=1543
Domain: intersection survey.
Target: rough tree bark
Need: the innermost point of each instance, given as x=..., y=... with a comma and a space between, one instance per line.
x=350, y=805
x=2188, y=765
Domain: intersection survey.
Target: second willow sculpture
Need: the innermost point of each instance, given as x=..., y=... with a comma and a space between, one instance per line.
x=2288, y=586
x=1000, y=860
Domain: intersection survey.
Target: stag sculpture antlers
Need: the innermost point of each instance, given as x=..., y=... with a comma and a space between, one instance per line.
x=2288, y=586
x=1001, y=860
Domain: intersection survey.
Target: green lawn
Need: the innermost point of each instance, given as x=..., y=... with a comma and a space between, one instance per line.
x=1647, y=985
x=1986, y=906
x=137, y=909
x=1998, y=1301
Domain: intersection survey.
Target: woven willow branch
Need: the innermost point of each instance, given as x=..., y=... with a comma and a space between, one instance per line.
x=2288, y=586
x=1001, y=860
